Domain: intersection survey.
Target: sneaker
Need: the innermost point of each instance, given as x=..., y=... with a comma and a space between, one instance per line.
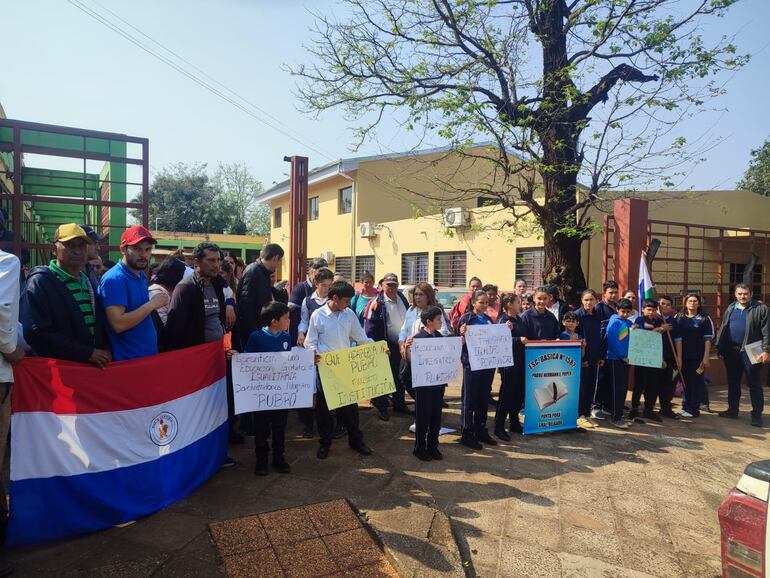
x=500, y=433
x=307, y=433
x=485, y=438
x=619, y=423
x=403, y=409
x=633, y=413
x=435, y=454
x=652, y=416
x=422, y=454
x=599, y=414
x=382, y=413
x=728, y=414
x=756, y=421
x=281, y=466
x=669, y=414
x=705, y=407
x=229, y=462
x=591, y=422
x=685, y=413
x=582, y=422
x=470, y=441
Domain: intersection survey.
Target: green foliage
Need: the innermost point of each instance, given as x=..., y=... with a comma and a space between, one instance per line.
x=183, y=197
x=757, y=177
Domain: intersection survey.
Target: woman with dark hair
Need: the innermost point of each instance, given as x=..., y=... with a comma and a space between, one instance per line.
x=695, y=330
x=361, y=298
x=165, y=277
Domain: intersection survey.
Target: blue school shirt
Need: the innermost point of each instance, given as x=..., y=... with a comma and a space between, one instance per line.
x=119, y=286
x=566, y=336
x=540, y=326
x=262, y=340
x=618, y=334
x=590, y=327
x=693, y=332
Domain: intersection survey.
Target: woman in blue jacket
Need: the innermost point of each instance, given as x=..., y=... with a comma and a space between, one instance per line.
x=695, y=330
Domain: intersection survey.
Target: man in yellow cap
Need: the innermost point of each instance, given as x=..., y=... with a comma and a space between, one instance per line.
x=58, y=308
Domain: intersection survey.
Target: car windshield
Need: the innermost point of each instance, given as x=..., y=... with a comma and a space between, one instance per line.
x=447, y=298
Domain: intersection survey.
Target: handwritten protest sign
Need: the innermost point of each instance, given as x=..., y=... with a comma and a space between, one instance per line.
x=489, y=346
x=436, y=361
x=273, y=380
x=354, y=374
x=645, y=348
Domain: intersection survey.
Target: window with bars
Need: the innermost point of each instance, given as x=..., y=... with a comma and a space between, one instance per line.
x=414, y=268
x=345, y=203
x=736, y=276
x=364, y=263
x=344, y=266
x=277, y=218
x=449, y=269
x=313, y=207
x=529, y=266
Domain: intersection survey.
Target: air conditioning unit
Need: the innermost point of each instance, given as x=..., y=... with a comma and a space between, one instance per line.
x=328, y=255
x=367, y=230
x=457, y=217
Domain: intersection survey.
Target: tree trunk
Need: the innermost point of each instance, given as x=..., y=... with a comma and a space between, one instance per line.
x=562, y=265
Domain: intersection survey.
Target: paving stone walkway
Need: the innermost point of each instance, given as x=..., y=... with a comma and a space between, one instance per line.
x=605, y=502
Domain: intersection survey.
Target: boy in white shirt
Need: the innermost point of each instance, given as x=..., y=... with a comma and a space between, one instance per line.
x=335, y=326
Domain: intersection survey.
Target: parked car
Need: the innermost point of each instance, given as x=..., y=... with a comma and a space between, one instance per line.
x=449, y=297
x=743, y=522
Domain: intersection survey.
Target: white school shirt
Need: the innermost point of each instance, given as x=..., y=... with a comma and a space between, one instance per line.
x=304, y=318
x=329, y=330
x=10, y=272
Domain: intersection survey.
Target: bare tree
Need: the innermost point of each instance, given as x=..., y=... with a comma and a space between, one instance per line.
x=566, y=91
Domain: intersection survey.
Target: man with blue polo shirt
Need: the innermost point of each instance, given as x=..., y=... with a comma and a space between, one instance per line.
x=124, y=296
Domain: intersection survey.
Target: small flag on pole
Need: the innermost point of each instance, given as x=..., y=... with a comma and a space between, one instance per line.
x=646, y=287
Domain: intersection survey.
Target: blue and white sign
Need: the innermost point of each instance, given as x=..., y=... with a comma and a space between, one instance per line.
x=552, y=385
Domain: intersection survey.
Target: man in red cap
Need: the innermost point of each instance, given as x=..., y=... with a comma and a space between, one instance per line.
x=123, y=294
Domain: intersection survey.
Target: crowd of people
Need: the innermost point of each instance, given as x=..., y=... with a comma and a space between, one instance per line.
x=83, y=309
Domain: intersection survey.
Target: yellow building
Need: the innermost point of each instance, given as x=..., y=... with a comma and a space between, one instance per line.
x=391, y=213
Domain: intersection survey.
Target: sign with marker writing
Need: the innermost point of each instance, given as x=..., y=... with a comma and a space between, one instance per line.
x=356, y=374
x=489, y=346
x=273, y=380
x=436, y=361
x=645, y=348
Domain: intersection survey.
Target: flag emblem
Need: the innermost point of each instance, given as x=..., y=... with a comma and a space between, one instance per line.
x=163, y=429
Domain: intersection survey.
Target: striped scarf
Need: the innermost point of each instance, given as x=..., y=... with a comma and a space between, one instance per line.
x=81, y=291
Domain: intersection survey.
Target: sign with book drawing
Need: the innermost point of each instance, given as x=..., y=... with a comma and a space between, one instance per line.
x=552, y=385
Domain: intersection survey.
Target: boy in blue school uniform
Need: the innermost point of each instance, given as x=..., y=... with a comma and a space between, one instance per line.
x=618, y=334
x=647, y=380
x=511, y=378
x=274, y=336
x=428, y=400
x=594, y=352
x=477, y=385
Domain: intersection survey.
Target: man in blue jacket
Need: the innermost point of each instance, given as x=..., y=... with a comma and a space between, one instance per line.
x=58, y=306
x=384, y=319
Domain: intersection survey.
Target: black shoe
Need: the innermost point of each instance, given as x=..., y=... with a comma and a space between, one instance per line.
x=516, y=427
x=633, y=413
x=323, y=452
x=444, y=404
x=435, y=454
x=500, y=433
x=729, y=414
x=652, y=416
x=6, y=568
x=485, y=438
x=362, y=449
x=281, y=466
x=422, y=454
x=382, y=413
x=669, y=414
x=339, y=432
x=402, y=408
x=470, y=441
x=260, y=469
x=307, y=433
x=756, y=421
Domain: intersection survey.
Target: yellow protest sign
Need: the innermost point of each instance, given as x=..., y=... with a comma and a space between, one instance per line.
x=354, y=374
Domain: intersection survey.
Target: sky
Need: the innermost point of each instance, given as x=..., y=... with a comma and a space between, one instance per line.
x=62, y=67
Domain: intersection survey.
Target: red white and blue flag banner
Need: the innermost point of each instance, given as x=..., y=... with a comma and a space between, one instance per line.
x=646, y=286
x=92, y=448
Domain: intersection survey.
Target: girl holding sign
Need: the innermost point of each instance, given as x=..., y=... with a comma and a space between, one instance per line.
x=693, y=346
x=428, y=400
x=512, y=383
x=477, y=385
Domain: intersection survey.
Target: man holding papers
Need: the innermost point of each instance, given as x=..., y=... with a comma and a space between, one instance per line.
x=744, y=323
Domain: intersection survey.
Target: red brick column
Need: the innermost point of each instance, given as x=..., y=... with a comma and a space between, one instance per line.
x=630, y=240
